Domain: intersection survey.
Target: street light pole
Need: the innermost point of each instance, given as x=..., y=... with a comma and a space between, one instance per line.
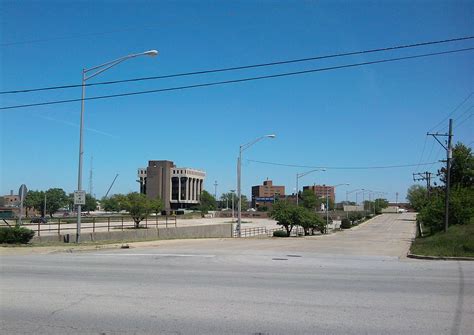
x=98, y=70
x=239, y=179
x=350, y=192
x=299, y=175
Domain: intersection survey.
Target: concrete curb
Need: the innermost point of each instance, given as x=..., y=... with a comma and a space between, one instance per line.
x=439, y=258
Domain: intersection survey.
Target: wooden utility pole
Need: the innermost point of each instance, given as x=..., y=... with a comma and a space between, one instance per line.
x=449, y=156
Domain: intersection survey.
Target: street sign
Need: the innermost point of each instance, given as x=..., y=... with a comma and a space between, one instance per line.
x=22, y=192
x=79, y=197
x=264, y=199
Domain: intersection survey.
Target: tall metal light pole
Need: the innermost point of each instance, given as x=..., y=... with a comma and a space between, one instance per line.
x=363, y=197
x=239, y=177
x=299, y=175
x=96, y=70
x=349, y=192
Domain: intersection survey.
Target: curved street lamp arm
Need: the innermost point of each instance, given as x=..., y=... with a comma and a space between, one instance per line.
x=350, y=192
x=104, y=67
x=302, y=174
x=248, y=145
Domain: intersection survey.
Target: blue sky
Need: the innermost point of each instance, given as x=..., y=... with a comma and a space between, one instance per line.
x=373, y=115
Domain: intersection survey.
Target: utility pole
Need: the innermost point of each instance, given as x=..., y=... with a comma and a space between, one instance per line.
x=449, y=156
x=215, y=189
x=424, y=176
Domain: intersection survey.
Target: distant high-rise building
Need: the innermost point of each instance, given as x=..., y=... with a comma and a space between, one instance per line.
x=176, y=187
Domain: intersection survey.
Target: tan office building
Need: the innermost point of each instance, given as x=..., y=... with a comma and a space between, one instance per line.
x=177, y=187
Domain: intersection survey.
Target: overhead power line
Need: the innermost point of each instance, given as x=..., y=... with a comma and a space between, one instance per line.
x=353, y=53
x=452, y=112
x=233, y=81
x=463, y=121
x=340, y=167
x=423, y=151
x=464, y=113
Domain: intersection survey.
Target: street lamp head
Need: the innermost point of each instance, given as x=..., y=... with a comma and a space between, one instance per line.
x=270, y=136
x=151, y=53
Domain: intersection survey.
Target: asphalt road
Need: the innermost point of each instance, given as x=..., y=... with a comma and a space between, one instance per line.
x=352, y=282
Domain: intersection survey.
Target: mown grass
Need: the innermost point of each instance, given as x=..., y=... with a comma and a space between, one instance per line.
x=458, y=241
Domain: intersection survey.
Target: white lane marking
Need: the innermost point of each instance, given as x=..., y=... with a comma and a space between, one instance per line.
x=158, y=255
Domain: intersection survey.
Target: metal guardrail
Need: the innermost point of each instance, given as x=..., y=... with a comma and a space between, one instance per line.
x=112, y=223
x=259, y=231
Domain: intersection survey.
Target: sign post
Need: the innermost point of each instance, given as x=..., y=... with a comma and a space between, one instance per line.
x=79, y=199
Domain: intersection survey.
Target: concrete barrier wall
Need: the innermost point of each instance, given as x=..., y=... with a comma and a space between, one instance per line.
x=390, y=209
x=222, y=230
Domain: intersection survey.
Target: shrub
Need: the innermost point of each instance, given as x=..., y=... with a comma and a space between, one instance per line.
x=345, y=223
x=16, y=235
x=280, y=233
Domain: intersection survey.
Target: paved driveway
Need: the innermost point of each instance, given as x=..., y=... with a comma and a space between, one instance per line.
x=351, y=282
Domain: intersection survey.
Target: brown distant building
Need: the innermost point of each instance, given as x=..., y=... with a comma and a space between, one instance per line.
x=321, y=191
x=266, y=194
x=11, y=200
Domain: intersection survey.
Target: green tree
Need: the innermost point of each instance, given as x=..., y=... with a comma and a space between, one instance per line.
x=70, y=201
x=245, y=202
x=207, y=202
x=112, y=203
x=417, y=196
x=227, y=197
x=309, y=220
x=91, y=203
x=157, y=205
x=380, y=204
x=309, y=199
x=35, y=200
x=462, y=167
x=282, y=212
x=461, y=208
x=137, y=205
x=288, y=215
x=56, y=198
x=226, y=200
